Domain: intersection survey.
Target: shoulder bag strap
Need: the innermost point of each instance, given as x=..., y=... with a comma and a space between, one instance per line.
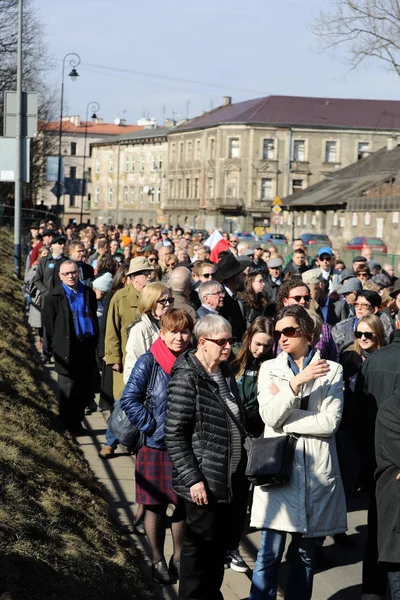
x=244, y=434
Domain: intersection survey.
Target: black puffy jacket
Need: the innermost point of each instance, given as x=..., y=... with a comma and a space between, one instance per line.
x=196, y=431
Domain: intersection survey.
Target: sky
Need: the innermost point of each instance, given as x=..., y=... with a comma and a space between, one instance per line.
x=178, y=58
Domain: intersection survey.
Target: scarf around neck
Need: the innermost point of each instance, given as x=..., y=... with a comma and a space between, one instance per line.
x=307, y=360
x=83, y=323
x=163, y=355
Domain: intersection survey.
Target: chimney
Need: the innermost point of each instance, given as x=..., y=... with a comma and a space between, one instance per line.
x=226, y=100
x=391, y=143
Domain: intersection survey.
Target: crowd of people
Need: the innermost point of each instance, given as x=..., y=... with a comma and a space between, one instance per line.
x=202, y=350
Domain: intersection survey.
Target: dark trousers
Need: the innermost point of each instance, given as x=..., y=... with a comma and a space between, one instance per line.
x=75, y=391
x=211, y=530
x=374, y=579
x=47, y=347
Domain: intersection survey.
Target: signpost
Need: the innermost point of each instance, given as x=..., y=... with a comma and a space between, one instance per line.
x=276, y=210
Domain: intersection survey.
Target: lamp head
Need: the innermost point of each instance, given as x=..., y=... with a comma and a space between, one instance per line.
x=74, y=74
x=94, y=116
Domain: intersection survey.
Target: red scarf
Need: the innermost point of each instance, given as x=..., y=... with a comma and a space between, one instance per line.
x=163, y=355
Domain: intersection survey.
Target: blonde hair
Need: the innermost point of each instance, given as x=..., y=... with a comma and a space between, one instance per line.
x=149, y=296
x=375, y=324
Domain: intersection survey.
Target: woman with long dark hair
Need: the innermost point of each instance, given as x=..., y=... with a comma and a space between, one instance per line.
x=257, y=347
x=253, y=300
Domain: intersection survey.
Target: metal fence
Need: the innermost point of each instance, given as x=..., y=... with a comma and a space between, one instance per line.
x=28, y=216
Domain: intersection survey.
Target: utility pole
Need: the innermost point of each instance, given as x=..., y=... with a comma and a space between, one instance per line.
x=18, y=166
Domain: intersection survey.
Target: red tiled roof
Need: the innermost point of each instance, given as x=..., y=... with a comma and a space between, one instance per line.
x=92, y=128
x=286, y=111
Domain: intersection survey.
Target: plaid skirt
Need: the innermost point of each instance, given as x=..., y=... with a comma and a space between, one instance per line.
x=153, y=475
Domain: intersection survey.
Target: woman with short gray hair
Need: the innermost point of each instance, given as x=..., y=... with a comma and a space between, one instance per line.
x=205, y=447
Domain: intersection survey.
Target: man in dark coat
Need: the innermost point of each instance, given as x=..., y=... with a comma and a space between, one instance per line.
x=229, y=273
x=76, y=252
x=69, y=315
x=377, y=382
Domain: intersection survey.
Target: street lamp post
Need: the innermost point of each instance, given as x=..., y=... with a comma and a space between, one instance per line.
x=92, y=107
x=74, y=61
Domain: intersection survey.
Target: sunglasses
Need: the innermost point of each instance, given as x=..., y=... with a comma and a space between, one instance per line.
x=286, y=331
x=367, y=334
x=69, y=273
x=222, y=341
x=325, y=257
x=165, y=301
x=207, y=275
x=307, y=298
x=362, y=305
x=152, y=260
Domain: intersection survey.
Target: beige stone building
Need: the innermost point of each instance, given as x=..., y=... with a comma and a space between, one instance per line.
x=226, y=167
x=75, y=155
x=128, y=178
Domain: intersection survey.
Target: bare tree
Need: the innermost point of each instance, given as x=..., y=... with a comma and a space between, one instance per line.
x=365, y=28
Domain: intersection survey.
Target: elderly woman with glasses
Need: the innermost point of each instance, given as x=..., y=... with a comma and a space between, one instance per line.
x=206, y=450
x=145, y=403
x=300, y=394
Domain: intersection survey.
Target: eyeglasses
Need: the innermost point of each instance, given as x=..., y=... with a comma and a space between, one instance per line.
x=362, y=275
x=286, y=331
x=367, y=334
x=233, y=241
x=325, y=257
x=362, y=305
x=152, y=260
x=222, y=342
x=216, y=294
x=165, y=301
x=207, y=275
x=69, y=273
x=307, y=298
x=171, y=264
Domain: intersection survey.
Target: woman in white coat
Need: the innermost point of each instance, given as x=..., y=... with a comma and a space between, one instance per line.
x=298, y=393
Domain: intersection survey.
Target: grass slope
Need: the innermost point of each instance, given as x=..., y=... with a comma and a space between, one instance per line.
x=56, y=538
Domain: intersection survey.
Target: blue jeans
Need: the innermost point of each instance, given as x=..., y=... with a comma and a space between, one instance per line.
x=394, y=584
x=265, y=575
x=111, y=440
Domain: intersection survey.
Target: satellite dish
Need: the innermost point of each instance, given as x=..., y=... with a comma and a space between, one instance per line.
x=117, y=121
x=146, y=189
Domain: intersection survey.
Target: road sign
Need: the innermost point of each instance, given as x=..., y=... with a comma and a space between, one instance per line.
x=277, y=201
x=276, y=209
x=277, y=220
x=29, y=111
x=54, y=189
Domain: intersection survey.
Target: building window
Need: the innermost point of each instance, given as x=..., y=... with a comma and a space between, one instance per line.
x=72, y=172
x=367, y=218
x=299, y=150
x=212, y=149
x=198, y=150
x=152, y=195
x=171, y=188
x=189, y=150
x=210, y=187
x=173, y=153
x=305, y=218
x=97, y=165
x=160, y=162
x=297, y=185
x=354, y=219
x=331, y=152
x=89, y=202
x=110, y=195
x=313, y=219
x=132, y=194
x=141, y=197
x=298, y=220
x=395, y=218
x=154, y=161
x=125, y=195
x=363, y=150
x=126, y=165
x=266, y=189
x=181, y=151
x=72, y=201
x=110, y=164
x=187, y=188
x=142, y=162
x=158, y=195
x=132, y=163
x=73, y=150
x=180, y=190
x=196, y=188
x=96, y=196
x=335, y=222
x=268, y=149
x=234, y=148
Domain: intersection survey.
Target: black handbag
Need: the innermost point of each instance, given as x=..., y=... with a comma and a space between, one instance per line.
x=120, y=426
x=269, y=460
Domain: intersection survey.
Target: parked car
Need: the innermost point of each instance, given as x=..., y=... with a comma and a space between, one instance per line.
x=244, y=237
x=358, y=243
x=320, y=239
x=274, y=238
